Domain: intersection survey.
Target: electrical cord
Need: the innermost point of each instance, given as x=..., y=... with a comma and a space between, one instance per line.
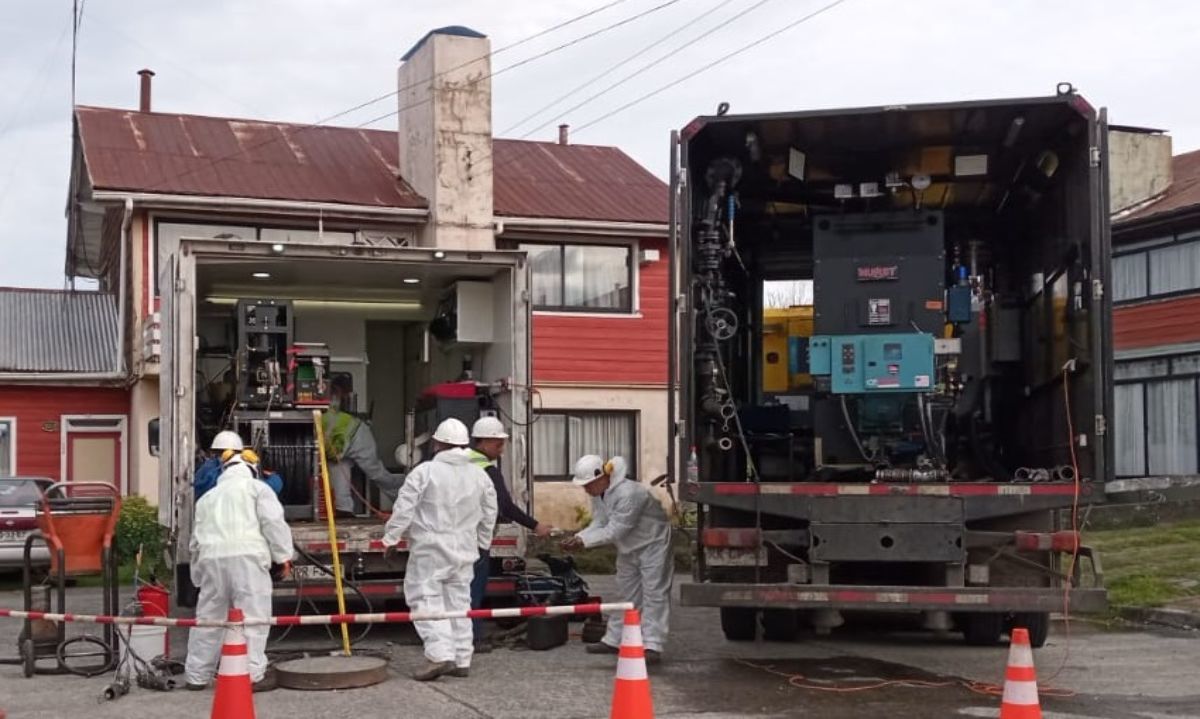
x=1070, y=573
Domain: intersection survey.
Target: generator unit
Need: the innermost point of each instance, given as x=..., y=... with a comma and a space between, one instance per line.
x=265, y=329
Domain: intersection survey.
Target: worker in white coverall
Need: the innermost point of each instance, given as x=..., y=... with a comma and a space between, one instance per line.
x=627, y=515
x=239, y=531
x=447, y=510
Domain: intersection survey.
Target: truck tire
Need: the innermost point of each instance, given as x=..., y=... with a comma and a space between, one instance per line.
x=738, y=624
x=982, y=629
x=1038, y=625
x=780, y=625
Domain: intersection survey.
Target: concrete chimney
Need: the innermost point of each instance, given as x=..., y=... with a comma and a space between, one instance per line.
x=563, y=134
x=445, y=131
x=1139, y=166
x=144, y=93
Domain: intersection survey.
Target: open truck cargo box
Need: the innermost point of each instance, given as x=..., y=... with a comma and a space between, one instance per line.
x=957, y=371
x=395, y=322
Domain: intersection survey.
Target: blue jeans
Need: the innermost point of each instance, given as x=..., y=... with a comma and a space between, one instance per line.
x=479, y=588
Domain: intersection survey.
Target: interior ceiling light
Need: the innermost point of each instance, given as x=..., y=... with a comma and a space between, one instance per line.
x=261, y=275
x=439, y=255
x=277, y=248
x=412, y=280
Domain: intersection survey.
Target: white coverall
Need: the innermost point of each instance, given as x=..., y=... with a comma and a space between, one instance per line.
x=238, y=532
x=628, y=516
x=447, y=509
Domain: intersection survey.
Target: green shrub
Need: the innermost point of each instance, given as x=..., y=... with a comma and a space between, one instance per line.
x=138, y=527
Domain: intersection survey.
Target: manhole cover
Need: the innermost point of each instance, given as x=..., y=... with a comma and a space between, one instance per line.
x=331, y=672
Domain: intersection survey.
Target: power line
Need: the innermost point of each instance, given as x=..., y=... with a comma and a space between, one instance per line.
x=650, y=65
x=610, y=70
x=680, y=80
x=324, y=121
x=539, y=56
x=710, y=65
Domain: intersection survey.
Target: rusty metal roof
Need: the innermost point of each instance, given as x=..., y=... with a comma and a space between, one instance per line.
x=1183, y=193
x=574, y=182
x=57, y=331
x=223, y=157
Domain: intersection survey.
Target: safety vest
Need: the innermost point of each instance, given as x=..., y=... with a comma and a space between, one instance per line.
x=479, y=459
x=339, y=428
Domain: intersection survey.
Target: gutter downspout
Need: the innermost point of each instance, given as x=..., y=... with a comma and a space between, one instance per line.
x=126, y=240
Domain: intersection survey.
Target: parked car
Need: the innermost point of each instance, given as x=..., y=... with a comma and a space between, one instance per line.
x=18, y=518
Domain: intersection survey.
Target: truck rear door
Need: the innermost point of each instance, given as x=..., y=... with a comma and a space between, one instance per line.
x=176, y=398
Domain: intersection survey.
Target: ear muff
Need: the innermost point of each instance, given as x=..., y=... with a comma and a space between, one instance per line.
x=250, y=456
x=608, y=467
x=227, y=455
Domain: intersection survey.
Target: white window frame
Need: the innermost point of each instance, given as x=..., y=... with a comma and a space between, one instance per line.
x=12, y=445
x=635, y=266
x=120, y=423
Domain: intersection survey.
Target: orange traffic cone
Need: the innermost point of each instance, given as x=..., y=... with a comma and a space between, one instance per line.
x=1020, y=681
x=233, y=698
x=631, y=691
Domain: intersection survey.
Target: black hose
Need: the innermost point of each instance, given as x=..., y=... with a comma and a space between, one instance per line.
x=329, y=571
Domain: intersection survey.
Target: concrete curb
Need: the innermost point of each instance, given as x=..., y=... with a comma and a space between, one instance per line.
x=1177, y=618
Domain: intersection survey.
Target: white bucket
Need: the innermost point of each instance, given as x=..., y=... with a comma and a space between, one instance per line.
x=147, y=642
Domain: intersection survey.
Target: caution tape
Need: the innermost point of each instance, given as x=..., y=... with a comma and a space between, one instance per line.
x=319, y=619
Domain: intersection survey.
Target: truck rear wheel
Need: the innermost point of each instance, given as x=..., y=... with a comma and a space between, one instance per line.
x=738, y=624
x=780, y=625
x=1038, y=625
x=982, y=629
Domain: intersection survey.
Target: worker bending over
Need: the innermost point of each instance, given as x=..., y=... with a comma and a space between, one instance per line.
x=239, y=532
x=489, y=437
x=348, y=444
x=224, y=446
x=447, y=509
x=627, y=515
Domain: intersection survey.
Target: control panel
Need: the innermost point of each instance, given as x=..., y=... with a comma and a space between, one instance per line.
x=865, y=364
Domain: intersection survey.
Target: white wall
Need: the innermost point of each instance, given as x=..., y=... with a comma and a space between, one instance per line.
x=143, y=468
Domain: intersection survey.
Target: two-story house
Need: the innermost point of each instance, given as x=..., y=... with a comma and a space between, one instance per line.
x=593, y=221
x=1156, y=301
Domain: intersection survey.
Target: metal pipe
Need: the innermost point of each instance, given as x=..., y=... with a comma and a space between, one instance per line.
x=152, y=198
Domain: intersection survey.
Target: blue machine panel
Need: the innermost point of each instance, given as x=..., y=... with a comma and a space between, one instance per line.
x=865, y=364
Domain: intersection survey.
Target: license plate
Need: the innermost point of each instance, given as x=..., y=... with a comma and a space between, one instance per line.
x=13, y=536
x=309, y=573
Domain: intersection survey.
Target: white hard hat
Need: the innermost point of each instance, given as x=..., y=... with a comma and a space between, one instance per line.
x=228, y=440
x=488, y=428
x=588, y=469
x=452, y=432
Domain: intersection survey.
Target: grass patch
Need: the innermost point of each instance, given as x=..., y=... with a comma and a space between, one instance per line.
x=1150, y=566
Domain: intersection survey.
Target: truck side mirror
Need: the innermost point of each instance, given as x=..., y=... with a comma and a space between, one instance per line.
x=152, y=436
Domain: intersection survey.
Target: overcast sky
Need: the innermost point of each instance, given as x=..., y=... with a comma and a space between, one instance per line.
x=301, y=60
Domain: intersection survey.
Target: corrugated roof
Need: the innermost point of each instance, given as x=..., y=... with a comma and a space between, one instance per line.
x=574, y=182
x=57, y=331
x=1183, y=193
x=225, y=157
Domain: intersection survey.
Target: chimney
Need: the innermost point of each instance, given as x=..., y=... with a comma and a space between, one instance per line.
x=144, y=95
x=563, y=134
x=445, y=135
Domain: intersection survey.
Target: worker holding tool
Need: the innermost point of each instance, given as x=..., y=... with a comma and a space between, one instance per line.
x=447, y=510
x=348, y=444
x=239, y=532
x=627, y=515
x=489, y=438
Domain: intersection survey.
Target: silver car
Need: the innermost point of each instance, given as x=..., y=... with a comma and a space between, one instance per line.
x=19, y=498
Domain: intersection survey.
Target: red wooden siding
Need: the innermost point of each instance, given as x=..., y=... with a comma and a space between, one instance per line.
x=1161, y=322
x=38, y=447
x=615, y=350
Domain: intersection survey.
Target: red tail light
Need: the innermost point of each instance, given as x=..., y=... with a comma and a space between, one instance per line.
x=17, y=524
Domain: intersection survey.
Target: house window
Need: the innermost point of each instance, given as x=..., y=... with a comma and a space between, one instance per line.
x=1175, y=268
x=8, y=446
x=561, y=437
x=1129, y=277
x=580, y=277
x=1156, y=424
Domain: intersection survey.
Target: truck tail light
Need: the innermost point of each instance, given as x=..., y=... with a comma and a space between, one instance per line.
x=731, y=538
x=1063, y=541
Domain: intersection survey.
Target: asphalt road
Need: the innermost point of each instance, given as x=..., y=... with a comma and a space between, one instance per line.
x=1129, y=674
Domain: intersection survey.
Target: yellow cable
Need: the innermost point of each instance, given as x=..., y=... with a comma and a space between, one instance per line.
x=333, y=541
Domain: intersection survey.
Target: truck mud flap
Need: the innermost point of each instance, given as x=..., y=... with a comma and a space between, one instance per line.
x=972, y=599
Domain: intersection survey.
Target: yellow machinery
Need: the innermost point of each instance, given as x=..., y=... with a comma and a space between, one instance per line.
x=782, y=328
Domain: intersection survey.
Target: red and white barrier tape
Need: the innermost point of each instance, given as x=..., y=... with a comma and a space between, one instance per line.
x=314, y=619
